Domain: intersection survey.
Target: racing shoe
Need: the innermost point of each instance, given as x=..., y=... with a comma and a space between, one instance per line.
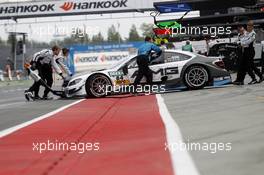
x=47, y=98
x=261, y=80
x=28, y=95
x=37, y=98
x=253, y=82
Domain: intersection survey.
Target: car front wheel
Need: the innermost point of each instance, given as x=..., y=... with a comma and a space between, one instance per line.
x=96, y=86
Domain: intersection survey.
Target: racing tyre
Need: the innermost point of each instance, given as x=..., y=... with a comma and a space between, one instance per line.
x=196, y=77
x=96, y=86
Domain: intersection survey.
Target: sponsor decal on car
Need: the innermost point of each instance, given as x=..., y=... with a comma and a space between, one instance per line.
x=122, y=82
x=162, y=71
x=116, y=73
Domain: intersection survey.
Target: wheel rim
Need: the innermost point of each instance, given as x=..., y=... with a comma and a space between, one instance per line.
x=99, y=85
x=197, y=77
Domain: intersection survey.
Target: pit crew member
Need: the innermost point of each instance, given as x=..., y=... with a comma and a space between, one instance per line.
x=144, y=58
x=44, y=61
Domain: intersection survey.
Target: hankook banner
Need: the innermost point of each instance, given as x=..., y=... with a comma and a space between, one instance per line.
x=98, y=60
x=71, y=7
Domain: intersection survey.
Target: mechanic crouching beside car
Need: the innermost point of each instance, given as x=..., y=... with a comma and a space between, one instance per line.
x=144, y=58
x=44, y=61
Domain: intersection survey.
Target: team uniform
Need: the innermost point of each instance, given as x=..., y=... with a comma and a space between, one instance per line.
x=241, y=62
x=247, y=42
x=60, y=60
x=188, y=47
x=143, y=60
x=44, y=61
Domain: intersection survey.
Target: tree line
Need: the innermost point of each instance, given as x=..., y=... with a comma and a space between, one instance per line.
x=113, y=36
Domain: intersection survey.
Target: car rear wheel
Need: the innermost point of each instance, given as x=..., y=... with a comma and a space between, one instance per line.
x=196, y=77
x=97, y=85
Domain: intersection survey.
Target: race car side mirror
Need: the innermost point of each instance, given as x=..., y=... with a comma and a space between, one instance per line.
x=125, y=70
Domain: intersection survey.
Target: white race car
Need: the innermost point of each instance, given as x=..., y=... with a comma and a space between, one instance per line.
x=173, y=68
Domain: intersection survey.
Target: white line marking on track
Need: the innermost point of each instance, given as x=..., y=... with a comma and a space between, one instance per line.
x=22, y=125
x=11, y=104
x=13, y=90
x=181, y=160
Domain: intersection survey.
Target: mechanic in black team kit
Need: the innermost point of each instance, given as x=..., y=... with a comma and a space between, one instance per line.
x=241, y=61
x=251, y=41
x=143, y=60
x=44, y=61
